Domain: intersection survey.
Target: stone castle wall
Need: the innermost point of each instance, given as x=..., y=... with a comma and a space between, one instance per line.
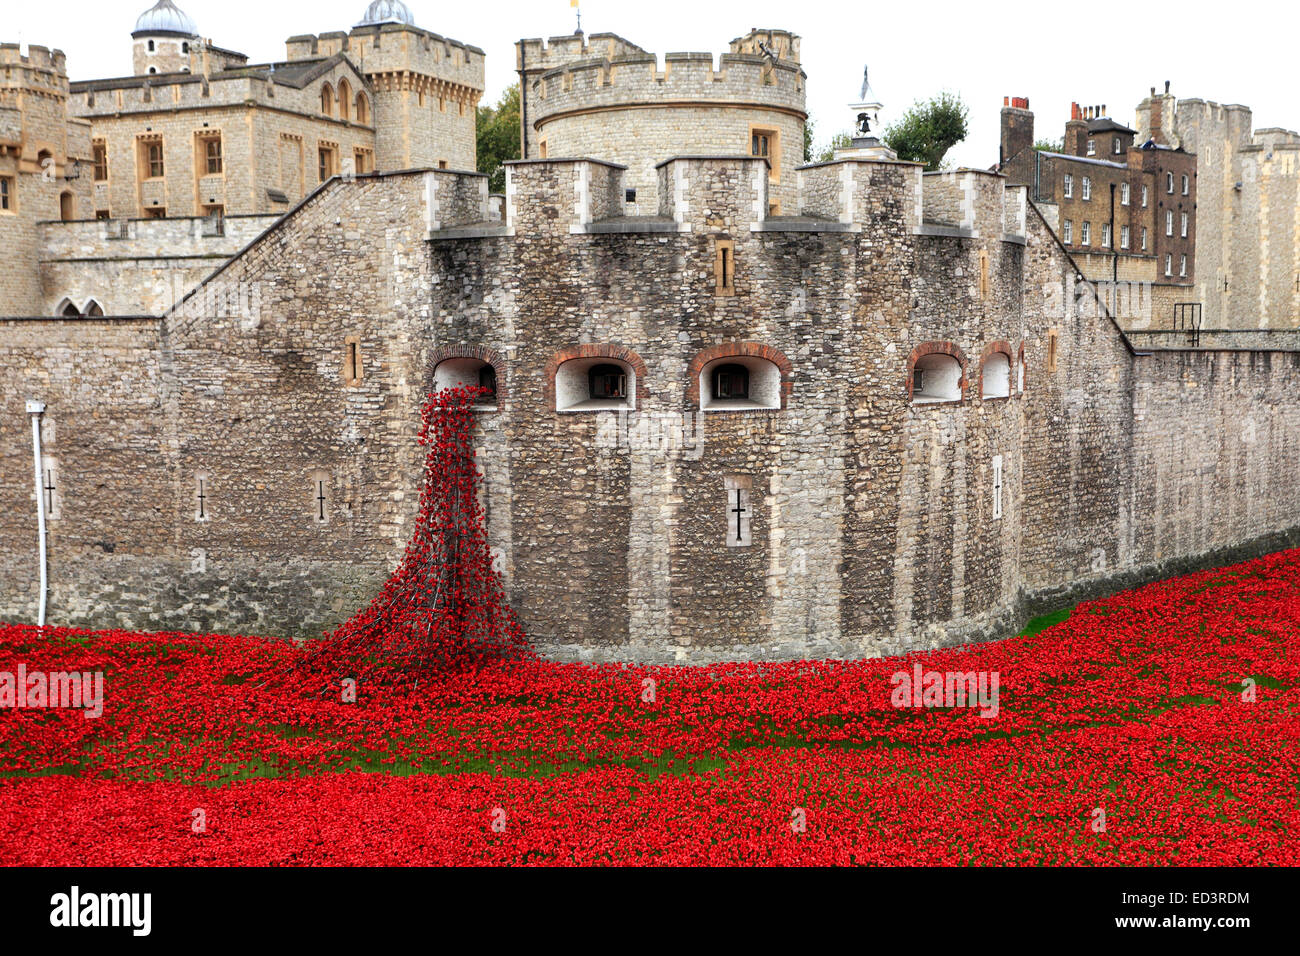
x=138, y=266
x=873, y=524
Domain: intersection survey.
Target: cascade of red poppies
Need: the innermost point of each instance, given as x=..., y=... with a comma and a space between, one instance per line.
x=444, y=607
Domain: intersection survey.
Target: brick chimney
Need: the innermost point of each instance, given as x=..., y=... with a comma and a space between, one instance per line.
x=1076, y=132
x=1017, y=128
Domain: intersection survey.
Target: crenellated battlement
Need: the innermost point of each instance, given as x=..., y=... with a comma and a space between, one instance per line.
x=592, y=84
x=39, y=70
x=541, y=55
x=730, y=195
x=392, y=48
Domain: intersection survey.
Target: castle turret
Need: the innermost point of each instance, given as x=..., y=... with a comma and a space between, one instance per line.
x=162, y=40
x=601, y=96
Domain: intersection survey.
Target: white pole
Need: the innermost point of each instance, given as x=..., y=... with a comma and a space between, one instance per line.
x=36, y=409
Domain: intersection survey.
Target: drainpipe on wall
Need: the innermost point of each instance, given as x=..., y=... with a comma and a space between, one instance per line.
x=36, y=409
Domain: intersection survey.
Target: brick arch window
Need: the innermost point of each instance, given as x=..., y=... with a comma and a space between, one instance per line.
x=594, y=378
x=739, y=376
x=327, y=99
x=936, y=374
x=470, y=365
x=995, y=371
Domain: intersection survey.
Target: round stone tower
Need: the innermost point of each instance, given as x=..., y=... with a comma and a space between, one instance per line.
x=603, y=97
x=164, y=40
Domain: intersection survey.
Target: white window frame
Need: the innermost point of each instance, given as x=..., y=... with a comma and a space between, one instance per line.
x=1182, y=266
x=1125, y=237
x=1068, y=234
x=1145, y=195
x=1184, y=225
x=1187, y=185
x=1169, y=182
x=1085, y=234
x=1105, y=235
x=1144, y=238
x=1169, y=222
x=1169, y=263
x=1069, y=186
x=1092, y=147
x=1087, y=189
x=1125, y=194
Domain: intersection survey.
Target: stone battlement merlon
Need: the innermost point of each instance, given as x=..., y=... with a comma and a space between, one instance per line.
x=537, y=54
x=783, y=43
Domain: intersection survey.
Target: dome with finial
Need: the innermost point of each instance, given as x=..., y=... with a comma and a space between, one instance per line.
x=165, y=17
x=387, y=11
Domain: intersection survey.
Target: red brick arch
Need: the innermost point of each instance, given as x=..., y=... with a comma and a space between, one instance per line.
x=480, y=352
x=597, y=350
x=738, y=350
x=1005, y=348
x=936, y=348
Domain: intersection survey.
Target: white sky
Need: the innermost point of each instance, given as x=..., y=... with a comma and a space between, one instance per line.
x=1051, y=53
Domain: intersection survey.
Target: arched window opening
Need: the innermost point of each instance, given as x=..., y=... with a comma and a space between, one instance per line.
x=93, y=308
x=462, y=372
x=594, y=384
x=67, y=207
x=996, y=376
x=1020, y=372
x=327, y=100
x=151, y=46
x=68, y=309
x=936, y=378
x=345, y=99
x=363, y=109
x=740, y=382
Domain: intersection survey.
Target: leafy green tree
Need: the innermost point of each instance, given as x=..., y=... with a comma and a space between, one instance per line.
x=838, y=141
x=1049, y=145
x=808, y=140
x=498, y=137
x=928, y=129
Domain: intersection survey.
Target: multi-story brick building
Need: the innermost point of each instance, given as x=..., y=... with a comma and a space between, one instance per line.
x=1125, y=208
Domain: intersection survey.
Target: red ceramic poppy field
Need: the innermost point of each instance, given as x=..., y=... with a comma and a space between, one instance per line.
x=1133, y=706
x=1157, y=727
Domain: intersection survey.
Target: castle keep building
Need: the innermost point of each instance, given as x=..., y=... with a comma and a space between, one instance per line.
x=605, y=96
x=197, y=130
x=176, y=167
